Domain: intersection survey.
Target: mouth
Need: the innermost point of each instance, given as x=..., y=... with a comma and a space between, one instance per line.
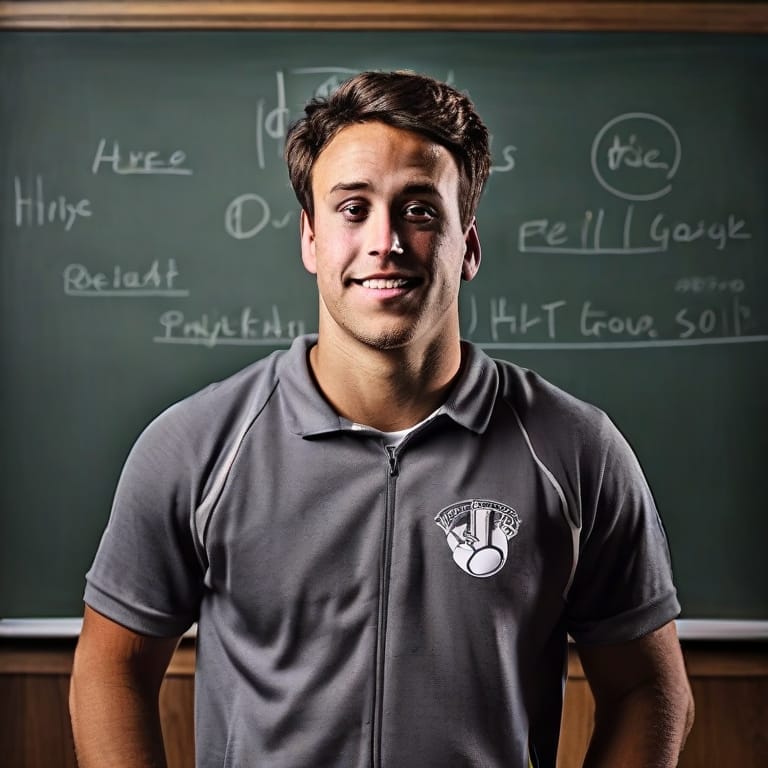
x=386, y=283
x=379, y=283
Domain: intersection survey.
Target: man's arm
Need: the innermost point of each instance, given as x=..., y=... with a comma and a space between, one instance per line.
x=114, y=692
x=643, y=702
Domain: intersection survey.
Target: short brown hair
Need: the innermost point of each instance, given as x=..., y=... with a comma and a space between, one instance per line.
x=402, y=100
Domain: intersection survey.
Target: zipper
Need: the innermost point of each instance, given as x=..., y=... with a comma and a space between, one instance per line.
x=386, y=563
x=393, y=468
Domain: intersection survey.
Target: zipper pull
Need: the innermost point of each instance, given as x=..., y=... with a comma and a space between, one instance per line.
x=393, y=468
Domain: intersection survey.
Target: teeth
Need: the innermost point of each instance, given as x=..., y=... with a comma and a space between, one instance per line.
x=379, y=284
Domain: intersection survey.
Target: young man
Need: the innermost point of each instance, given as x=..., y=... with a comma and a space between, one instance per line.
x=384, y=536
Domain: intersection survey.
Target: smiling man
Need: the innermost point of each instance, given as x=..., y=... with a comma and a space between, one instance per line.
x=384, y=536
x=389, y=249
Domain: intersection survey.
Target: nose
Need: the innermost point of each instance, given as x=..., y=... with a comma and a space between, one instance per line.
x=383, y=239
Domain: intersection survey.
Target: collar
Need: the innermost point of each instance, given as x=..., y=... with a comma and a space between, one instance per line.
x=470, y=402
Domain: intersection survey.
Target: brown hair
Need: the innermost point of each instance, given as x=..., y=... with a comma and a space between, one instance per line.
x=402, y=100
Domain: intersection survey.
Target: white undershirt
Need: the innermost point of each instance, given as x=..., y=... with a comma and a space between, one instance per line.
x=393, y=439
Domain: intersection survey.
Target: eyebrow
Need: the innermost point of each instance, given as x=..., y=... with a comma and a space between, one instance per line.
x=415, y=188
x=349, y=186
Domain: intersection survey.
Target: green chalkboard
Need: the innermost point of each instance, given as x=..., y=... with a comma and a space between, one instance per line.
x=149, y=244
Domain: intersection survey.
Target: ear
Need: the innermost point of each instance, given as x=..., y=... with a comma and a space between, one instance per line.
x=307, y=243
x=472, y=252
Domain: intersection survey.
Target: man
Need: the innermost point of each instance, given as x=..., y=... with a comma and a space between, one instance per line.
x=384, y=536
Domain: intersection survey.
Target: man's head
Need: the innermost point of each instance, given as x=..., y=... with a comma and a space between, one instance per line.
x=402, y=100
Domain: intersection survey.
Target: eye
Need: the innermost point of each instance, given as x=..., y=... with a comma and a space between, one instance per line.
x=419, y=213
x=354, y=211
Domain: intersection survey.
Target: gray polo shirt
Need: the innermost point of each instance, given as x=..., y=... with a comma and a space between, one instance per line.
x=360, y=605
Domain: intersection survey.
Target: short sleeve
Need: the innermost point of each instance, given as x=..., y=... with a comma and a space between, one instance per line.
x=146, y=573
x=622, y=587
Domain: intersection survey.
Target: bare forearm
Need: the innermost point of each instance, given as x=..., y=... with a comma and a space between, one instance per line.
x=115, y=724
x=114, y=695
x=643, y=703
x=647, y=729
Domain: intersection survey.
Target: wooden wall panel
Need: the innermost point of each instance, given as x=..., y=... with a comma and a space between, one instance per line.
x=578, y=721
x=33, y=729
x=729, y=681
x=730, y=731
x=730, y=690
x=731, y=727
x=177, y=717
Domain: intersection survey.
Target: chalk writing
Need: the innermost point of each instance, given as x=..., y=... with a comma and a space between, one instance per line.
x=635, y=156
x=545, y=235
x=710, y=284
x=249, y=214
x=146, y=162
x=32, y=208
x=585, y=324
x=721, y=233
x=523, y=318
x=214, y=329
x=156, y=281
x=508, y=153
x=599, y=323
x=720, y=321
x=274, y=123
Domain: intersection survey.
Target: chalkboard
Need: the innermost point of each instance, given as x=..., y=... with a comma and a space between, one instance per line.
x=149, y=245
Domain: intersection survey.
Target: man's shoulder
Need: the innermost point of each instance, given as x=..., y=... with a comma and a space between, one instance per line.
x=253, y=382
x=246, y=383
x=559, y=423
x=221, y=405
x=494, y=389
x=534, y=396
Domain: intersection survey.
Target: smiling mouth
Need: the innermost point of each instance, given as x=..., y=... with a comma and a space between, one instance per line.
x=386, y=283
x=380, y=283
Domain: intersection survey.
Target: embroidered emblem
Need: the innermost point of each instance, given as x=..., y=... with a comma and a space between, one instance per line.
x=478, y=532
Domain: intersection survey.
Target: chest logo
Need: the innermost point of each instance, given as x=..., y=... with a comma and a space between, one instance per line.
x=478, y=532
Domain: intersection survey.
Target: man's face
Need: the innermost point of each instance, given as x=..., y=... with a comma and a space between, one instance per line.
x=386, y=241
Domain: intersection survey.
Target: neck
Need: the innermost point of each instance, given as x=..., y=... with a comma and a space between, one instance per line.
x=386, y=389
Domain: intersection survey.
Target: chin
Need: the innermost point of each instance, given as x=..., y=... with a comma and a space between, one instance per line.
x=387, y=339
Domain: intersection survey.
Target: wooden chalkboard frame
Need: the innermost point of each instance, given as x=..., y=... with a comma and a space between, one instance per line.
x=597, y=15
